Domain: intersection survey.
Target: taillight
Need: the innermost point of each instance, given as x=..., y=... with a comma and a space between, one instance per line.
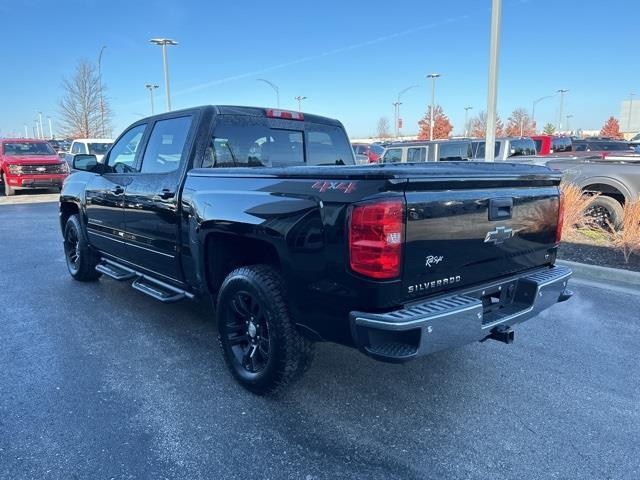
x=287, y=114
x=560, y=218
x=375, y=238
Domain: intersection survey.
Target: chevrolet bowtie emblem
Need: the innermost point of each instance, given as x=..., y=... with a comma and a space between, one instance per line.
x=499, y=235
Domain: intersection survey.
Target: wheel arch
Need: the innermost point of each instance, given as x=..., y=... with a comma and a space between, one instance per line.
x=608, y=187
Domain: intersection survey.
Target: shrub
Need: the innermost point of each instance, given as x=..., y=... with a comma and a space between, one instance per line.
x=576, y=204
x=627, y=238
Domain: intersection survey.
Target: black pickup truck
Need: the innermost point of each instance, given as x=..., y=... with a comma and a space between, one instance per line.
x=265, y=211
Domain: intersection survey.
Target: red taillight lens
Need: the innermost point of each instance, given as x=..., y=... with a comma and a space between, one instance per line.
x=560, y=218
x=375, y=238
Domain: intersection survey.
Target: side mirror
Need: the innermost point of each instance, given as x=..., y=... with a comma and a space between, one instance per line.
x=61, y=154
x=84, y=162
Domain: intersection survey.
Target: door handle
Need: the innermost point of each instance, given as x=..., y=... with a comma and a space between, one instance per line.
x=118, y=190
x=166, y=194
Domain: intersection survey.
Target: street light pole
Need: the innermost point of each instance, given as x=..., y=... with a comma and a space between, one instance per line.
x=568, y=117
x=397, y=105
x=102, y=134
x=631, y=95
x=50, y=128
x=151, y=87
x=396, y=117
x=492, y=94
x=275, y=89
x=26, y=131
x=466, y=120
x=299, y=98
x=163, y=42
x=562, y=91
x=433, y=77
x=40, y=123
x=533, y=108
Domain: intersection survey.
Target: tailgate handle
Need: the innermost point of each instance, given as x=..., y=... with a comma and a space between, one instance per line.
x=500, y=208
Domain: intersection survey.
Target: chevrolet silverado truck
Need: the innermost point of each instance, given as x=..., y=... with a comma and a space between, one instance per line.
x=29, y=163
x=266, y=212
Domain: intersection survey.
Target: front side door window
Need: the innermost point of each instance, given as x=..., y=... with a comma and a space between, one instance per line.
x=122, y=157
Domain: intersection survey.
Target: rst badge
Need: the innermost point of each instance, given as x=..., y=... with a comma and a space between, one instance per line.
x=432, y=260
x=499, y=235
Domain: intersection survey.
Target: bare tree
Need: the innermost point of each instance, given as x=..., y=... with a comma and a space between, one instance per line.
x=80, y=106
x=383, y=128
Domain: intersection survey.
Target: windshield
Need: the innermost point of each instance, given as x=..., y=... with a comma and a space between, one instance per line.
x=607, y=146
x=28, y=148
x=98, y=148
x=377, y=149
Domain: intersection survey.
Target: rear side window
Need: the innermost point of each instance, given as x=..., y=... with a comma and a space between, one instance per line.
x=393, y=155
x=561, y=144
x=327, y=145
x=249, y=142
x=479, y=149
x=454, y=151
x=522, y=146
x=416, y=154
x=538, y=145
x=166, y=145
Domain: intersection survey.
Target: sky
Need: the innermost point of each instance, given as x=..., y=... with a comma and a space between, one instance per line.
x=350, y=59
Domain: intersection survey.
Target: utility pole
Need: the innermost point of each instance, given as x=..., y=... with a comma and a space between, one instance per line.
x=466, y=120
x=433, y=77
x=299, y=98
x=163, y=42
x=492, y=95
x=151, y=87
x=275, y=89
x=102, y=134
x=631, y=95
x=562, y=91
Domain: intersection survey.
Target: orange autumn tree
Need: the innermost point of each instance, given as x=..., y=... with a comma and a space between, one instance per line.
x=520, y=124
x=441, y=128
x=611, y=128
x=479, y=126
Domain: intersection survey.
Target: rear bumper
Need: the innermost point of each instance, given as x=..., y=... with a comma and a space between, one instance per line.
x=455, y=320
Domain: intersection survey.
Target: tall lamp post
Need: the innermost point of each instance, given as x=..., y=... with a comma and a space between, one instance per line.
x=567, y=117
x=26, y=131
x=533, y=107
x=151, y=87
x=631, y=95
x=466, y=120
x=562, y=91
x=492, y=94
x=275, y=89
x=102, y=134
x=433, y=77
x=397, y=104
x=163, y=42
x=299, y=98
x=40, y=124
x=50, y=128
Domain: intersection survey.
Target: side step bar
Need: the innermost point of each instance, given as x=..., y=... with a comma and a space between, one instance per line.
x=153, y=287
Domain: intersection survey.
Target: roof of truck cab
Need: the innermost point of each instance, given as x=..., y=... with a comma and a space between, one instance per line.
x=244, y=110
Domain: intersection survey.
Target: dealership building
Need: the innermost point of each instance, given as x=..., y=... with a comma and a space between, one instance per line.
x=630, y=116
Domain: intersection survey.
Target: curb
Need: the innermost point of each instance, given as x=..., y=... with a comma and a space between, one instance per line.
x=607, y=274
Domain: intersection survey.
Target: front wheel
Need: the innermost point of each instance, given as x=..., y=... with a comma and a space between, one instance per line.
x=81, y=261
x=8, y=191
x=261, y=345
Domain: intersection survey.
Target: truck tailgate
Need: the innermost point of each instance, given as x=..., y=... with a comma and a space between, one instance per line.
x=461, y=237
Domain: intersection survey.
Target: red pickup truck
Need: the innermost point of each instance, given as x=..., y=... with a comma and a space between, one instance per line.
x=30, y=163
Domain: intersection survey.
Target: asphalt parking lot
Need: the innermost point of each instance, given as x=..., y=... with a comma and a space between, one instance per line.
x=99, y=381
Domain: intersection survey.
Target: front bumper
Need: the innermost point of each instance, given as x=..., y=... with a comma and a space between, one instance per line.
x=36, y=181
x=455, y=320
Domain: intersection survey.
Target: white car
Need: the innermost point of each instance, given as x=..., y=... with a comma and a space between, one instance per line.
x=92, y=146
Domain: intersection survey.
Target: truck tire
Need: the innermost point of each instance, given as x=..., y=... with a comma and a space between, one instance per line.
x=260, y=343
x=8, y=191
x=606, y=211
x=81, y=261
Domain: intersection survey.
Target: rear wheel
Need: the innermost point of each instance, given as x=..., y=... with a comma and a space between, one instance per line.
x=261, y=345
x=606, y=212
x=81, y=261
